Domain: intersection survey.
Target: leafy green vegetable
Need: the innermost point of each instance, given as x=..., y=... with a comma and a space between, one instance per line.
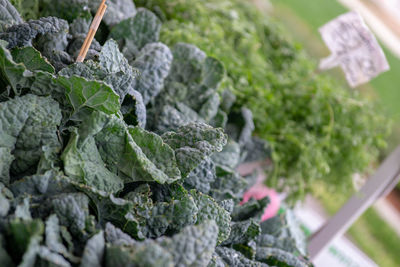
x=193, y=143
x=144, y=28
x=27, y=124
x=83, y=183
x=8, y=15
x=22, y=34
x=315, y=126
x=32, y=59
x=153, y=63
x=83, y=93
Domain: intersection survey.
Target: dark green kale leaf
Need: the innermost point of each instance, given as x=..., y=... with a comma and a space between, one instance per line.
x=153, y=62
x=83, y=163
x=8, y=15
x=22, y=34
x=187, y=64
x=229, y=184
x=27, y=124
x=243, y=232
x=65, y=9
x=201, y=177
x=6, y=197
x=256, y=149
x=72, y=209
x=193, y=143
x=147, y=254
x=32, y=59
x=12, y=73
x=213, y=72
x=278, y=257
x=54, y=239
x=136, y=32
x=229, y=157
x=83, y=94
x=170, y=118
x=50, y=183
x=112, y=68
x=134, y=109
x=116, y=236
x=23, y=239
x=251, y=209
x=94, y=251
x=286, y=229
x=241, y=126
x=132, y=152
x=193, y=246
x=234, y=258
x=208, y=209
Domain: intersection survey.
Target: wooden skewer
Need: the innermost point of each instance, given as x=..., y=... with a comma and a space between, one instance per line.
x=92, y=31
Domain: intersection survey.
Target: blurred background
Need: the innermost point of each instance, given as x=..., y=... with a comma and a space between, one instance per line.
x=377, y=232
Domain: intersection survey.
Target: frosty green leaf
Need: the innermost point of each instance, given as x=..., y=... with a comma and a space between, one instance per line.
x=193, y=246
x=201, y=177
x=8, y=15
x=72, y=209
x=210, y=210
x=277, y=257
x=26, y=123
x=136, y=32
x=193, y=143
x=153, y=62
x=94, y=251
x=22, y=34
x=187, y=64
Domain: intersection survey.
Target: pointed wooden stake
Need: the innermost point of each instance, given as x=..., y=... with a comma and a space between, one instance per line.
x=92, y=31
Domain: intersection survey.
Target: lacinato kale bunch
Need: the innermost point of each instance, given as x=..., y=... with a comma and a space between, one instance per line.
x=320, y=131
x=123, y=160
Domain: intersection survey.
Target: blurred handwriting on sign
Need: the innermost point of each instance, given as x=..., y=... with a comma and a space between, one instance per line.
x=354, y=48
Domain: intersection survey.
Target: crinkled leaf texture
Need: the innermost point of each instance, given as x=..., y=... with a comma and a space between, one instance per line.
x=153, y=62
x=8, y=15
x=22, y=34
x=210, y=210
x=93, y=94
x=112, y=68
x=132, y=152
x=193, y=246
x=136, y=32
x=193, y=143
x=187, y=64
x=232, y=257
x=27, y=124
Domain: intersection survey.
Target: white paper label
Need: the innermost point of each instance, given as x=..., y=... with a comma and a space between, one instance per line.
x=354, y=48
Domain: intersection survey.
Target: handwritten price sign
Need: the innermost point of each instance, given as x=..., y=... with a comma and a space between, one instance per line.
x=354, y=48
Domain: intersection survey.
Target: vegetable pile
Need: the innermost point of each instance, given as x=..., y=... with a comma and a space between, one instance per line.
x=123, y=160
x=318, y=130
